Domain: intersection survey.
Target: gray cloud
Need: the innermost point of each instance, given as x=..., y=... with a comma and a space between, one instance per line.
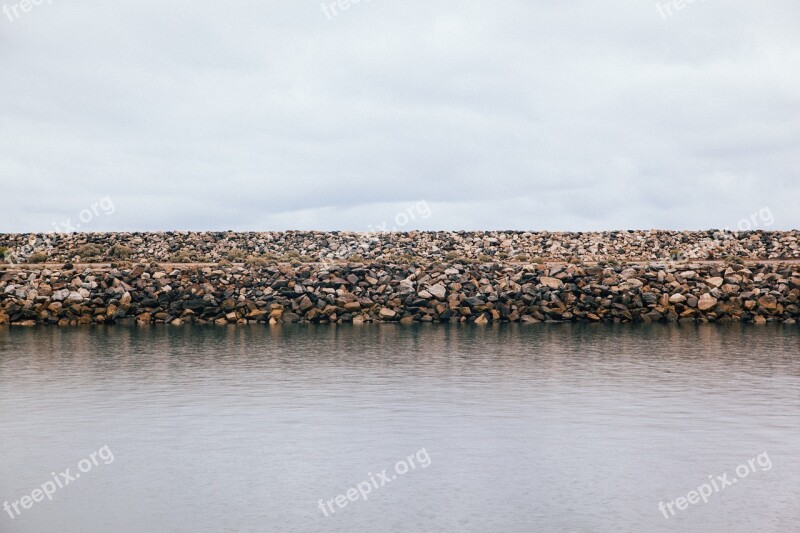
x=578, y=115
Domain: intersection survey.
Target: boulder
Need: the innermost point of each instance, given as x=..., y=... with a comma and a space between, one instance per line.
x=706, y=302
x=551, y=283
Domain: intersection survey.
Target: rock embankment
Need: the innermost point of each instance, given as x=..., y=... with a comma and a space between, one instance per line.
x=312, y=246
x=400, y=292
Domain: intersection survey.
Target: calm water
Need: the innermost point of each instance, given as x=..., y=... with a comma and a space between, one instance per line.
x=545, y=428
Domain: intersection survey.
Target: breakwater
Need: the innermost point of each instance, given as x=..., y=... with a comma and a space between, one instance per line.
x=316, y=246
x=400, y=291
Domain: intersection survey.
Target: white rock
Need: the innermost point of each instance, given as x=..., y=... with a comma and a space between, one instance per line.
x=438, y=291
x=60, y=295
x=75, y=296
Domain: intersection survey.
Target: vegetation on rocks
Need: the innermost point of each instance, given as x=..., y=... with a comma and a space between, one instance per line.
x=88, y=251
x=120, y=251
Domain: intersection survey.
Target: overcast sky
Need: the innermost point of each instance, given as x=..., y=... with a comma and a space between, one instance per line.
x=260, y=115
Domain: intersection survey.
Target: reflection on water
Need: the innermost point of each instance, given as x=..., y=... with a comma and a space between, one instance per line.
x=552, y=427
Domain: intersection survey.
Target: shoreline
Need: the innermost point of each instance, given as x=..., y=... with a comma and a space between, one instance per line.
x=456, y=291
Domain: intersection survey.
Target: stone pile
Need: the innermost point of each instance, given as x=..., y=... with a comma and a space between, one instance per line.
x=454, y=291
x=310, y=246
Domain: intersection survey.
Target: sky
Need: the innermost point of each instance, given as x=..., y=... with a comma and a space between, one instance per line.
x=399, y=115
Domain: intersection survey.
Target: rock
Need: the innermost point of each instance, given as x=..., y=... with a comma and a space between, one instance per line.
x=438, y=292
x=650, y=298
x=706, y=302
x=768, y=302
x=420, y=287
x=552, y=283
x=730, y=288
x=352, y=306
x=74, y=296
x=60, y=295
x=405, y=287
x=677, y=298
x=305, y=303
x=387, y=313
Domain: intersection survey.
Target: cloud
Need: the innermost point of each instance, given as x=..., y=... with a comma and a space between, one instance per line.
x=577, y=115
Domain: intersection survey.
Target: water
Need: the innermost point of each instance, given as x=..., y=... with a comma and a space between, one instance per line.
x=544, y=428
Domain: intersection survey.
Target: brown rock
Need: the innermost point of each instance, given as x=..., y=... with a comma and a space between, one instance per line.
x=768, y=302
x=387, y=313
x=706, y=302
x=352, y=306
x=551, y=283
